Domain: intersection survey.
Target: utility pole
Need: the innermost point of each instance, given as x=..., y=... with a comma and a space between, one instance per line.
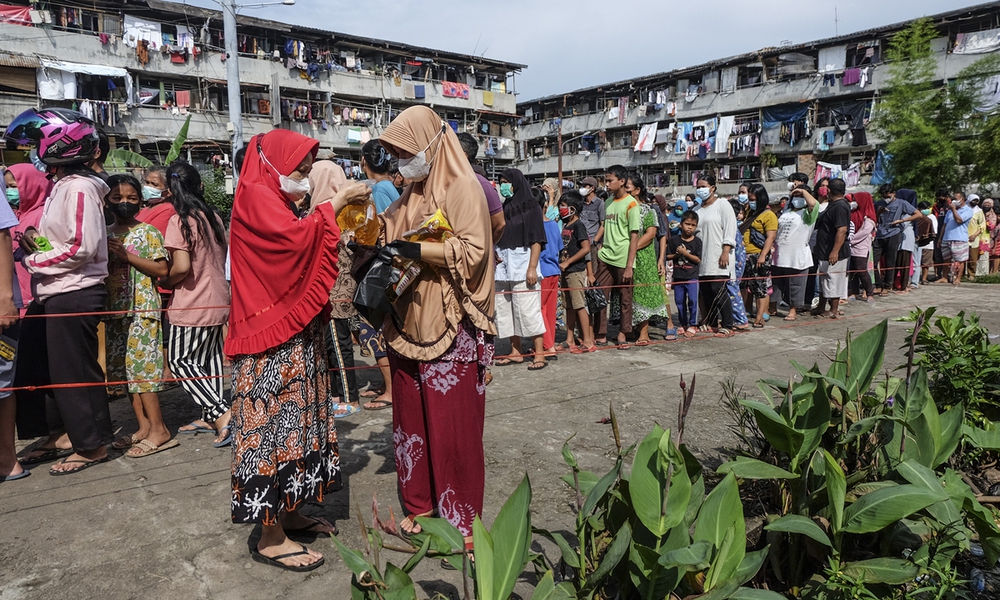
x=560, y=142
x=233, y=74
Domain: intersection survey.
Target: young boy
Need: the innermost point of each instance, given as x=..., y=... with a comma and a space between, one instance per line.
x=577, y=272
x=685, y=252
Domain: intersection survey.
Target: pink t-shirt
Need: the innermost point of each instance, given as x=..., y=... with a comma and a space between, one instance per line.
x=205, y=285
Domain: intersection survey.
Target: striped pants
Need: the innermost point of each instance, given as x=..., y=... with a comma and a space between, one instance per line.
x=196, y=358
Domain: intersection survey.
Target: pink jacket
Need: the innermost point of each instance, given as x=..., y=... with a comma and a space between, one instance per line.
x=73, y=222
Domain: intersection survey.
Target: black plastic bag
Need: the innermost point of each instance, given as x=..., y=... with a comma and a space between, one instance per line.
x=373, y=271
x=596, y=302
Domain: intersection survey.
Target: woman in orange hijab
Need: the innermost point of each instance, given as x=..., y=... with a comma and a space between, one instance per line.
x=284, y=438
x=441, y=335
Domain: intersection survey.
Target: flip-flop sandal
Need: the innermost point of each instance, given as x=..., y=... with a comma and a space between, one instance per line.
x=308, y=530
x=604, y=343
x=275, y=561
x=671, y=334
x=642, y=343
x=24, y=473
x=758, y=326
x=576, y=350
x=349, y=409
x=537, y=366
x=791, y=318
x=148, y=448
x=86, y=464
x=125, y=442
x=372, y=393
x=385, y=404
x=47, y=455
x=226, y=440
x=724, y=333
x=623, y=346
x=504, y=362
x=197, y=429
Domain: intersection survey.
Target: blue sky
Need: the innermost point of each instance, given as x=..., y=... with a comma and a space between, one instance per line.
x=570, y=44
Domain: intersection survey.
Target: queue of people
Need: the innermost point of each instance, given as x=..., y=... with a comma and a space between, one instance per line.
x=177, y=292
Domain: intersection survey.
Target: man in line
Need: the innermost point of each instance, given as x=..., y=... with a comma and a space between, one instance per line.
x=617, y=254
x=833, y=250
x=888, y=236
x=592, y=217
x=955, y=238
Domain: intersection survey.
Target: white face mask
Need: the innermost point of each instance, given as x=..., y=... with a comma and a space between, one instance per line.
x=296, y=189
x=416, y=168
x=585, y=191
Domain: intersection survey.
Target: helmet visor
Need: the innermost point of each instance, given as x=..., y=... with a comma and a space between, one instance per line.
x=25, y=129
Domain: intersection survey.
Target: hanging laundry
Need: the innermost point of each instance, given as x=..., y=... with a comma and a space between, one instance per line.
x=419, y=92
x=622, y=109
x=646, y=138
x=851, y=76
x=863, y=78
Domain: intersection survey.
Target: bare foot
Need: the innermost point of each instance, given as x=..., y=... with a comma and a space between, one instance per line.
x=194, y=425
x=53, y=443
x=381, y=402
x=77, y=460
x=221, y=426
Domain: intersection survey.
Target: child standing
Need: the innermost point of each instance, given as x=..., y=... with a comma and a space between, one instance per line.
x=136, y=260
x=685, y=252
x=548, y=263
x=577, y=272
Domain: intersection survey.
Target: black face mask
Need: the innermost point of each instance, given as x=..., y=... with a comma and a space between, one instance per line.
x=125, y=211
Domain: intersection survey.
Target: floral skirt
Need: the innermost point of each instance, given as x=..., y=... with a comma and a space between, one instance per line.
x=284, y=437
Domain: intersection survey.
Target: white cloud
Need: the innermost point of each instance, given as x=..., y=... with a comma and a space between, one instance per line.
x=570, y=44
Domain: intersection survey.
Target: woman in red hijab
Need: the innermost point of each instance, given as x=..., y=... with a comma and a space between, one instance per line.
x=32, y=188
x=863, y=219
x=285, y=441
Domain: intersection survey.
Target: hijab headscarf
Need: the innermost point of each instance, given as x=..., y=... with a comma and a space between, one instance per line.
x=326, y=179
x=282, y=267
x=522, y=213
x=866, y=208
x=908, y=196
x=553, y=184
x=430, y=311
x=34, y=188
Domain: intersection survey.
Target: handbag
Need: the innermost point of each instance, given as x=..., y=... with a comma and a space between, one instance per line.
x=596, y=302
x=373, y=270
x=757, y=238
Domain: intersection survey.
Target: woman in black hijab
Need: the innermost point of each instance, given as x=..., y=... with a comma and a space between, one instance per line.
x=519, y=295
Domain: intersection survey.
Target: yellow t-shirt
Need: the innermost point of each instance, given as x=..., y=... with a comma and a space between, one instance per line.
x=765, y=221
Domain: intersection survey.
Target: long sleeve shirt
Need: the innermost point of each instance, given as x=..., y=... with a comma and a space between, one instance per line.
x=73, y=222
x=717, y=228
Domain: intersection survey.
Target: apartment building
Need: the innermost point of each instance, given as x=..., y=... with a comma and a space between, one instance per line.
x=141, y=67
x=754, y=117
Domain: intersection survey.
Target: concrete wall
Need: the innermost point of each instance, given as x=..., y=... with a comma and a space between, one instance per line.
x=158, y=124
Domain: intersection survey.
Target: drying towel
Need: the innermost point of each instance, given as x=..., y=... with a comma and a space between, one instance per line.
x=851, y=76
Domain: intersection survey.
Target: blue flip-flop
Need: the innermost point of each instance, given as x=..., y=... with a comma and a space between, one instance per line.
x=671, y=334
x=24, y=473
x=197, y=429
x=227, y=440
x=350, y=408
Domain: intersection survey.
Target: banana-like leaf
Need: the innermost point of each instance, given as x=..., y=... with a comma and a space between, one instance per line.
x=178, y=144
x=883, y=507
x=751, y=468
x=802, y=526
x=121, y=158
x=511, y=541
x=893, y=571
x=399, y=586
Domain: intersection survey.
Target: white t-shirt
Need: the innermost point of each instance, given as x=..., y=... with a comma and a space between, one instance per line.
x=717, y=228
x=513, y=265
x=934, y=225
x=791, y=245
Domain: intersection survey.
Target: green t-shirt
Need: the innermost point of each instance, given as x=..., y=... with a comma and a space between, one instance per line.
x=621, y=219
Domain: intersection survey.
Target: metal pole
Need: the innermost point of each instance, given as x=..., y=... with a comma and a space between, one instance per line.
x=233, y=74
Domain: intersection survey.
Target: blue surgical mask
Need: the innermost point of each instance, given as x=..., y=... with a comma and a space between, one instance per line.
x=506, y=190
x=798, y=203
x=151, y=193
x=753, y=205
x=13, y=196
x=743, y=198
x=703, y=193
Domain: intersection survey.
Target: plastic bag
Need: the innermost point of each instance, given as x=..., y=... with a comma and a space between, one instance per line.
x=596, y=301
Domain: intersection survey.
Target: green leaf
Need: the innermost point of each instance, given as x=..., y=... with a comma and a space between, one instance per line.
x=569, y=556
x=697, y=555
x=618, y=549
x=400, y=586
x=802, y=526
x=753, y=594
x=601, y=489
x=178, y=144
x=545, y=588
x=923, y=477
x=354, y=560
x=865, y=354
x=751, y=468
x=866, y=488
x=587, y=481
x=951, y=433
x=723, y=591
x=511, y=539
x=444, y=531
x=751, y=564
x=836, y=490
x=859, y=428
x=892, y=571
x=648, y=482
x=122, y=158
x=567, y=455
x=883, y=507
x=483, y=552
x=419, y=556
x=722, y=512
x=679, y=492
x=981, y=438
x=775, y=429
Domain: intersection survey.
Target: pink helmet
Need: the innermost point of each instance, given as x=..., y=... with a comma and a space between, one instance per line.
x=63, y=136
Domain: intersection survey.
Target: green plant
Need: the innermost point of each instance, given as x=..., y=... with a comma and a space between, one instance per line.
x=502, y=554
x=175, y=148
x=964, y=366
x=214, y=182
x=123, y=158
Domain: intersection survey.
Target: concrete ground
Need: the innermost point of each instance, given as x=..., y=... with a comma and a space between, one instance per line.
x=159, y=527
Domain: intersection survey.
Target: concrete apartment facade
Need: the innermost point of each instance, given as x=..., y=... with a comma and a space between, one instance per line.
x=142, y=66
x=788, y=109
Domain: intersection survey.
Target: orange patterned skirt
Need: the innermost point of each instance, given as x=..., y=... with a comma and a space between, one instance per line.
x=284, y=437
